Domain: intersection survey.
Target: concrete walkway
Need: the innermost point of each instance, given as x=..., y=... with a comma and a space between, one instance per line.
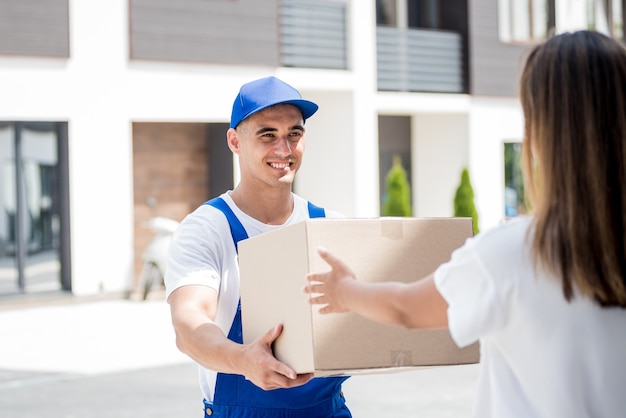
x=103, y=337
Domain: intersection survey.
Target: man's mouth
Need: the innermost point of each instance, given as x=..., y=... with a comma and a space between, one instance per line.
x=280, y=166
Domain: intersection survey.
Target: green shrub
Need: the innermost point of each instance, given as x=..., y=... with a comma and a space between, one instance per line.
x=464, y=200
x=399, y=191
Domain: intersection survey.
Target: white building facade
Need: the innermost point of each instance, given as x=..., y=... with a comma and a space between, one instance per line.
x=106, y=73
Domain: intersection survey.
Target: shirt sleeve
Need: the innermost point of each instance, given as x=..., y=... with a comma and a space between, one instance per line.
x=474, y=307
x=195, y=253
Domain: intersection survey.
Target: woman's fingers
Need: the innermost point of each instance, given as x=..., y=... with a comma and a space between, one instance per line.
x=316, y=287
x=332, y=261
x=315, y=278
x=317, y=293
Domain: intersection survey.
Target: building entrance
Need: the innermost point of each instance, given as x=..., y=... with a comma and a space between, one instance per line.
x=34, y=232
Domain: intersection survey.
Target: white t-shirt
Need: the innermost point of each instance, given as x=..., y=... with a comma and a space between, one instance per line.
x=202, y=253
x=540, y=355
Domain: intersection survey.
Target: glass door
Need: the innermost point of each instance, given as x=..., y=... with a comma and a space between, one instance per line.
x=31, y=214
x=9, y=280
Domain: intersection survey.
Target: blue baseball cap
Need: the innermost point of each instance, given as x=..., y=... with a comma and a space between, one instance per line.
x=265, y=92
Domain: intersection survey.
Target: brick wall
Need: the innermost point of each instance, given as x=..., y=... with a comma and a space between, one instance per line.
x=171, y=174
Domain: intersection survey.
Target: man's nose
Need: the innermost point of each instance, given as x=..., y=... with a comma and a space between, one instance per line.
x=283, y=147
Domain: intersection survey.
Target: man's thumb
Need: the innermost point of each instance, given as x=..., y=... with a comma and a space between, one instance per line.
x=273, y=333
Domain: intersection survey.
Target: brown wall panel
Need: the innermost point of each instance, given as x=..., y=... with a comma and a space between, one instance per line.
x=170, y=172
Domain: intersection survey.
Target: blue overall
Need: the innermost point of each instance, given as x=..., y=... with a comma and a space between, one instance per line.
x=237, y=397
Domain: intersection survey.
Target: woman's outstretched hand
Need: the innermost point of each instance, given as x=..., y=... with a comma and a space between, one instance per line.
x=329, y=288
x=417, y=304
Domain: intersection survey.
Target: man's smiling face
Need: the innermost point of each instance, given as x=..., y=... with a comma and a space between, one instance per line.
x=270, y=145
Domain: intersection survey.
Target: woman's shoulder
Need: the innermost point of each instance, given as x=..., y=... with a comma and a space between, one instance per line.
x=508, y=227
x=511, y=235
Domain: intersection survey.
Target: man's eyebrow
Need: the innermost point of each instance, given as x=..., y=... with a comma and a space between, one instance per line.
x=269, y=129
x=265, y=129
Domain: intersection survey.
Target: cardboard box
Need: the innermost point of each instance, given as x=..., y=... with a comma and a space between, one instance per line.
x=273, y=269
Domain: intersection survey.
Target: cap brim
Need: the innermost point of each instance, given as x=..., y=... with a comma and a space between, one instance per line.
x=307, y=108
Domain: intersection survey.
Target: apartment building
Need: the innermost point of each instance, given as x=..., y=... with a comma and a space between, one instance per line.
x=115, y=111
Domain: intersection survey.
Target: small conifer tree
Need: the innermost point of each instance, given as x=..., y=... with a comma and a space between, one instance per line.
x=399, y=191
x=464, y=200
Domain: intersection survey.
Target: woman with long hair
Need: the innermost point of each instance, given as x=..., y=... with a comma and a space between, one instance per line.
x=545, y=294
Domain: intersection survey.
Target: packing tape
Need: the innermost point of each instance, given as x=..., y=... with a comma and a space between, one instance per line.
x=401, y=358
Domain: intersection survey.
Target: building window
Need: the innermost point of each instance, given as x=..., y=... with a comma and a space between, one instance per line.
x=424, y=14
x=523, y=20
x=386, y=12
x=534, y=20
x=416, y=14
x=514, y=200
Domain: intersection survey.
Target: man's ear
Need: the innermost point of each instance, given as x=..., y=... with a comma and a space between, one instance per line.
x=233, y=140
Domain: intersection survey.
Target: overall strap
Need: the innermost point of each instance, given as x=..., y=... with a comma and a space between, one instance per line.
x=236, y=396
x=237, y=230
x=316, y=211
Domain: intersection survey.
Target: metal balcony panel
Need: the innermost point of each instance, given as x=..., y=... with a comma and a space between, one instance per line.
x=333, y=46
x=312, y=34
x=312, y=62
x=419, y=60
x=326, y=31
x=438, y=64
x=307, y=10
x=312, y=51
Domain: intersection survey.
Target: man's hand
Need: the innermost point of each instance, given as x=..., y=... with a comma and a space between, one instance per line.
x=193, y=309
x=264, y=370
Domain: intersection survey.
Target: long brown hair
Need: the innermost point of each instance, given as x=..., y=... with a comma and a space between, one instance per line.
x=573, y=94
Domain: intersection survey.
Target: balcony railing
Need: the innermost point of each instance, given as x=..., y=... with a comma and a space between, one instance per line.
x=313, y=34
x=419, y=60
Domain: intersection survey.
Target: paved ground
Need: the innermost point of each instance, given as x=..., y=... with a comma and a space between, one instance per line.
x=117, y=358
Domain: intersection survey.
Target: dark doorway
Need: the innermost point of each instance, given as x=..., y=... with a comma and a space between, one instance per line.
x=176, y=168
x=394, y=139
